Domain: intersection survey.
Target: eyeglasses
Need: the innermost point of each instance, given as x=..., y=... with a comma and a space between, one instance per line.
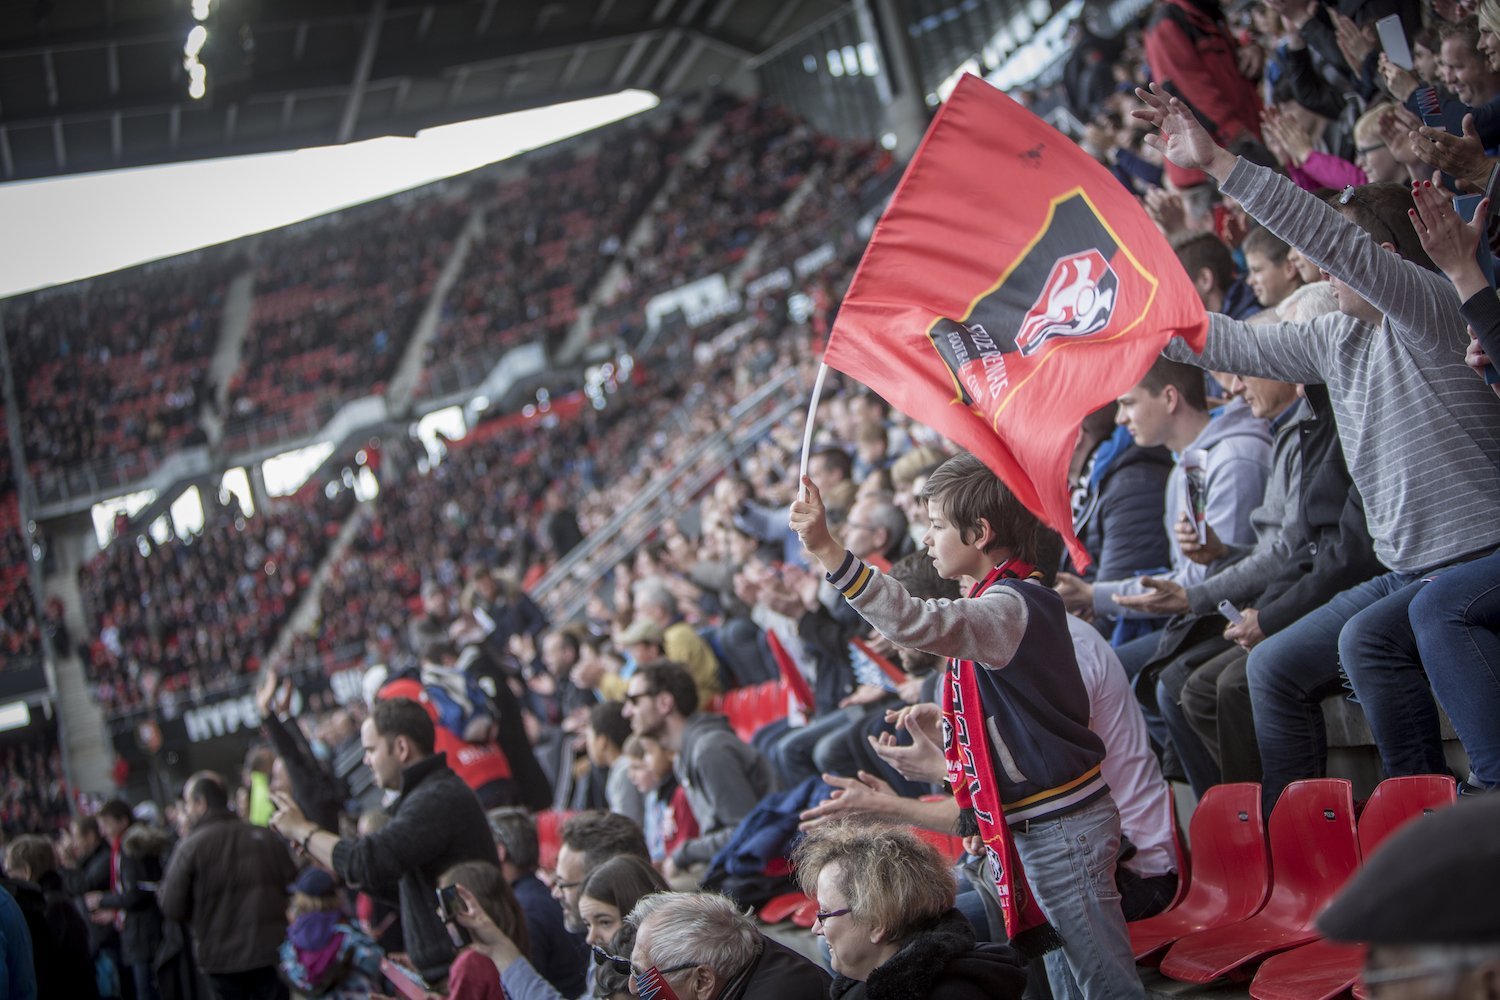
x=638, y=974
x=827, y=915
x=631, y=699
x=619, y=965
x=562, y=886
x=1426, y=970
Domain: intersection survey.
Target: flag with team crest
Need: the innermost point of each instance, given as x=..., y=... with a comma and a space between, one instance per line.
x=1011, y=287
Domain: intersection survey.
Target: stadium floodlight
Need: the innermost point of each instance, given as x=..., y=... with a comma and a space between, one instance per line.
x=201, y=9
x=16, y=715
x=195, y=40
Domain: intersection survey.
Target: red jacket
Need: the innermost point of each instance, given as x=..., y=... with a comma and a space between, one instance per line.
x=1191, y=53
x=477, y=764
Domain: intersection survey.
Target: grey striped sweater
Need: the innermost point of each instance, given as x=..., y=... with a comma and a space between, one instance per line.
x=1420, y=431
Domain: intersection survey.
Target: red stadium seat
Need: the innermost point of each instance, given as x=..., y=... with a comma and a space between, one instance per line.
x=549, y=837
x=1231, y=870
x=1324, y=969
x=1398, y=801
x=1316, y=971
x=781, y=907
x=948, y=845
x=806, y=915
x=1314, y=849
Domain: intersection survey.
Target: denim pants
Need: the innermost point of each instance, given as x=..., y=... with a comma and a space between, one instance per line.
x=1070, y=866
x=1364, y=628
x=796, y=754
x=1455, y=618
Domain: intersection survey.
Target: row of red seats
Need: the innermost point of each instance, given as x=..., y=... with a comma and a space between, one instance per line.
x=1249, y=895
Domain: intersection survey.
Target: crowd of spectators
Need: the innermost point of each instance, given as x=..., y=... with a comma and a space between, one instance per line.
x=116, y=367
x=35, y=794
x=1335, y=432
x=336, y=302
x=179, y=620
x=549, y=237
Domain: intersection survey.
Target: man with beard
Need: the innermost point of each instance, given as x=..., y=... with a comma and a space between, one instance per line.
x=724, y=776
x=435, y=824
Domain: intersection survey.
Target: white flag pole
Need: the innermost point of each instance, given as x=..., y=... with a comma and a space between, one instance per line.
x=807, y=430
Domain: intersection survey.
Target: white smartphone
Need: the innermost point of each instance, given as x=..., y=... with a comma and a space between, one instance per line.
x=1393, y=41
x=1231, y=612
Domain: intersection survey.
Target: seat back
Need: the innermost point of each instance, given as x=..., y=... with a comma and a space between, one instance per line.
x=1231, y=867
x=1398, y=801
x=1314, y=849
x=771, y=703
x=549, y=836
x=949, y=846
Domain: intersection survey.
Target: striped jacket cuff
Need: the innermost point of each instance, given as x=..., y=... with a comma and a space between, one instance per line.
x=852, y=577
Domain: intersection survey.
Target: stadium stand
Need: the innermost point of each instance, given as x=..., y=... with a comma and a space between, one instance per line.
x=115, y=368
x=335, y=305
x=549, y=236
x=183, y=619
x=637, y=493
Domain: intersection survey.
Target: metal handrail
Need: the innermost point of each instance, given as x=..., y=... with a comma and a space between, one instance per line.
x=570, y=599
x=599, y=537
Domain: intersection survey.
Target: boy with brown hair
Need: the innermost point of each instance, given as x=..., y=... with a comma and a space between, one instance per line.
x=1023, y=763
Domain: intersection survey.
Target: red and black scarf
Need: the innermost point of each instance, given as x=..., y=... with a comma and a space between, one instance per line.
x=971, y=774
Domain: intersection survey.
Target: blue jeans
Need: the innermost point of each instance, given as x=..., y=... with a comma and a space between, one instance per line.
x=1456, y=618
x=1291, y=672
x=797, y=754
x=1070, y=866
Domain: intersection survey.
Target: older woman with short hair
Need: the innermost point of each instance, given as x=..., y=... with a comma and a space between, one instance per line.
x=885, y=907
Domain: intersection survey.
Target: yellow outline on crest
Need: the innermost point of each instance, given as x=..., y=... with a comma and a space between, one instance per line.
x=1025, y=251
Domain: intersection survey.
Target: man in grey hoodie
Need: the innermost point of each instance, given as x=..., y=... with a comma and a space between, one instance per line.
x=1168, y=407
x=724, y=776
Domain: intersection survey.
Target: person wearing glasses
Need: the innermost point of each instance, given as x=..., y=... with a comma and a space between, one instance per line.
x=611, y=892
x=885, y=908
x=701, y=946
x=724, y=776
x=607, y=897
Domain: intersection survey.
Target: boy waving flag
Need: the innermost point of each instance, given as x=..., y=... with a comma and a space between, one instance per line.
x=1012, y=287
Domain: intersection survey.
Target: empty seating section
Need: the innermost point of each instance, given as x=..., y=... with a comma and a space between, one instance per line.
x=1324, y=969
x=1230, y=870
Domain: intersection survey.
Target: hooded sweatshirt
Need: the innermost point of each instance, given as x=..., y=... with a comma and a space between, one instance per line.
x=724, y=778
x=1238, y=447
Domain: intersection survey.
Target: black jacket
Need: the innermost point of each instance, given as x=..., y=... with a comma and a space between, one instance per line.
x=941, y=964
x=228, y=881
x=92, y=875
x=1122, y=520
x=141, y=867
x=435, y=824
x=778, y=973
x=1334, y=550
x=74, y=975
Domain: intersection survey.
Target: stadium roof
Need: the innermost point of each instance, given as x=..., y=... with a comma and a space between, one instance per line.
x=99, y=84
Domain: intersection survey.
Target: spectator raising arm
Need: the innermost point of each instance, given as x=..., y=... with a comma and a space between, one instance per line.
x=1421, y=308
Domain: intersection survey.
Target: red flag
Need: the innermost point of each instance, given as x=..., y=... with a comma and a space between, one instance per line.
x=1012, y=287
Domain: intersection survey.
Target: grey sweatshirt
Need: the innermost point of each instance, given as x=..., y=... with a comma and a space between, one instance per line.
x=1420, y=432
x=1244, y=579
x=724, y=778
x=1238, y=445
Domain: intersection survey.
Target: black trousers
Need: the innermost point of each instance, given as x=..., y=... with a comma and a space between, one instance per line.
x=256, y=984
